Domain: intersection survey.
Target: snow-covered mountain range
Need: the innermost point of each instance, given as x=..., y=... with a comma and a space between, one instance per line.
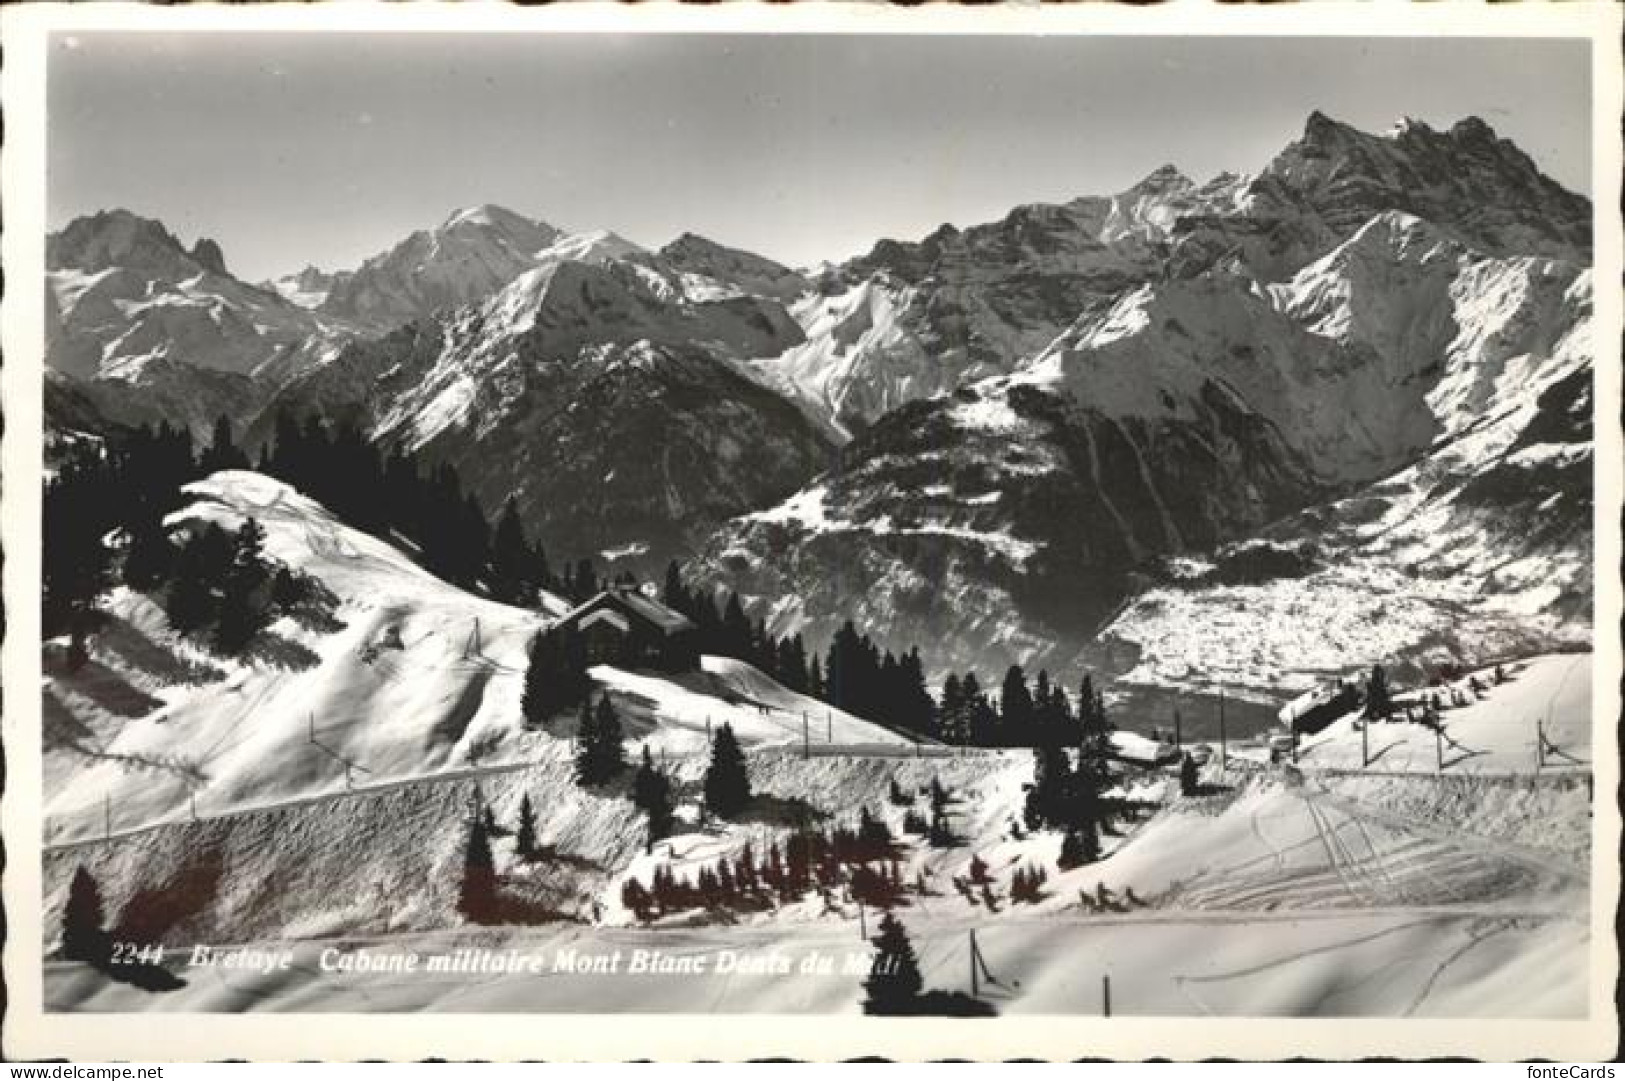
x=1359, y=377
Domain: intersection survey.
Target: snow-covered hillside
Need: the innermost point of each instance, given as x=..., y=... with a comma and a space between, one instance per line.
x=405, y=677
x=1286, y=892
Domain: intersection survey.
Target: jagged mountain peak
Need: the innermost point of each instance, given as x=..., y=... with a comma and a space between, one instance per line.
x=1164, y=178
x=120, y=238
x=701, y=260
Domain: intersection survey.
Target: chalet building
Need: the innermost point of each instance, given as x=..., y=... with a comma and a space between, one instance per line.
x=625, y=628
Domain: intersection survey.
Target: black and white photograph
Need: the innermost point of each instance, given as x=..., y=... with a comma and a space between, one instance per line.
x=835, y=526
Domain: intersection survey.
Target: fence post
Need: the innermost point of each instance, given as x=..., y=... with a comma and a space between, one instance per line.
x=1105, y=996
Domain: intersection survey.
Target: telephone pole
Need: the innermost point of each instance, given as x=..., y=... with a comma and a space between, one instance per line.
x=1224, y=746
x=1179, y=738
x=974, y=988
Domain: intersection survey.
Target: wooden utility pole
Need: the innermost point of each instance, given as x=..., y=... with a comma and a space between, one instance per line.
x=863, y=924
x=1438, y=747
x=1540, y=745
x=1224, y=746
x=829, y=727
x=974, y=987
x=1105, y=996
x=1365, y=742
x=806, y=738
x=1179, y=737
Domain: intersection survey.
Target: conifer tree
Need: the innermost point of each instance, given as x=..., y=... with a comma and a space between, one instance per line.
x=651, y=793
x=83, y=938
x=150, y=558
x=1379, y=700
x=727, y=782
x=512, y=576
x=525, y=839
x=1188, y=780
x=477, y=899
x=600, y=756
x=894, y=983
x=245, y=603
x=1016, y=709
x=1081, y=845
x=222, y=452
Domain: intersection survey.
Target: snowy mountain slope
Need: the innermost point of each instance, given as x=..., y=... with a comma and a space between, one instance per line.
x=406, y=677
x=981, y=300
x=1405, y=406
x=1481, y=548
x=1005, y=522
x=307, y=288
x=121, y=292
x=1261, y=887
x=610, y=405
x=726, y=691
x=469, y=256
x=706, y=265
x=1494, y=733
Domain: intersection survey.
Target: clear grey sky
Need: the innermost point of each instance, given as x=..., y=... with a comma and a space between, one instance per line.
x=296, y=148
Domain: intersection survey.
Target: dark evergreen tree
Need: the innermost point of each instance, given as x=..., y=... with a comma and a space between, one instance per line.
x=1378, y=698
x=600, y=755
x=1081, y=845
x=525, y=839
x=83, y=938
x=951, y=726
x=1188, y=778
x=1016, y=711
x=222, y=452
x=651, y=793
x=245, y=601
x=892, y=985
x=727, y=782
x=1053, y=784
x=513, y=576
x=477, y=899
x=556, y=675
x=149, y=559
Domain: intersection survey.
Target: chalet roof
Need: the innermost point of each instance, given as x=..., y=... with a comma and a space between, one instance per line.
x=664, y=619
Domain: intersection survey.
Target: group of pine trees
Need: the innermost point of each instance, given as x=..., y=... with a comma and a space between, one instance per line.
x=600, y=757
x=478, y=896
x=384, y=491
x=600, y=752
x=1072, y=796
x=862, y=860
x=104, y=525
x=123, y=486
